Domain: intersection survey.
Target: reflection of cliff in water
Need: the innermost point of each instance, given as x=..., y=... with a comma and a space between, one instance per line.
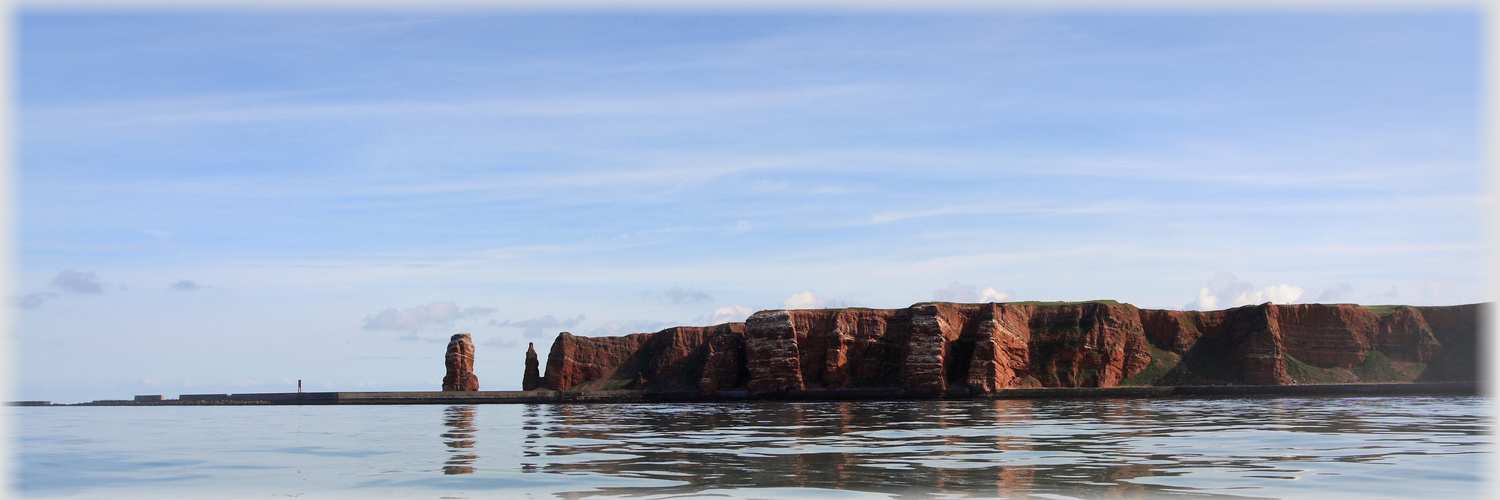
x=460, y=439
x=990, y=448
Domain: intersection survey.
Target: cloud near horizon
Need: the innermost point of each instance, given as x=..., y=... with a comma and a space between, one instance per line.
x=806, y=299
x=627, y=327
x=536, y=328
x=730, y=314
x=1226, y=290
x=957, y=292
x=413, y=319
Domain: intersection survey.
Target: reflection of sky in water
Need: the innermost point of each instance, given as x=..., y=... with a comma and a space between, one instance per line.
x=1354, y=447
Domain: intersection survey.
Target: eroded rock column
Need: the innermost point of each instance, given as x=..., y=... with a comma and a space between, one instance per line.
x=926, y=347
x=771, y=353
x=460, y=362
x=532, y=377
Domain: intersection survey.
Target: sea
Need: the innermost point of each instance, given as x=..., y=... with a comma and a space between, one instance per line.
x=1223, y=447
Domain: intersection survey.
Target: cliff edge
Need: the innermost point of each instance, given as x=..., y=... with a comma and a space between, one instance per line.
x=938, y=348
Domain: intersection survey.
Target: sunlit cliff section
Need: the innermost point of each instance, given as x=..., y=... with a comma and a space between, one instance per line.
x=946, y=348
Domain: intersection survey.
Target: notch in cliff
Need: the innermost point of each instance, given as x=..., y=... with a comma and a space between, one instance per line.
x=943, y=348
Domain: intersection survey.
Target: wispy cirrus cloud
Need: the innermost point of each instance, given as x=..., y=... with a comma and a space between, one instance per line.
x=425, y=317
x=35, y=300
x=540, y=327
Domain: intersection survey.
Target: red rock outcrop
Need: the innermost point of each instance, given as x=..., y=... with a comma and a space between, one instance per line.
x=672, y=359
x=1329, y=335
x=935, y=348
x=531, y=379
x=460, y=363
x=578, y=360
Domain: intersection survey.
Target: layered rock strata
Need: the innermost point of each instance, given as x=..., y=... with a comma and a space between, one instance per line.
x=937, y=348
x=460, y=363
x=531, y=378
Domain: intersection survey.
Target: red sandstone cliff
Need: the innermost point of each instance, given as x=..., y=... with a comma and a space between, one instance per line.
x=934, y=348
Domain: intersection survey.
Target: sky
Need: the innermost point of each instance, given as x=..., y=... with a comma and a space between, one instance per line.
x=220, y=202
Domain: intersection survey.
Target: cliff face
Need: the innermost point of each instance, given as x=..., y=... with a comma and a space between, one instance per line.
x=934, y=348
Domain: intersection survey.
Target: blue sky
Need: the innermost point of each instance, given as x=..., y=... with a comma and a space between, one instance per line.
x=230, y=202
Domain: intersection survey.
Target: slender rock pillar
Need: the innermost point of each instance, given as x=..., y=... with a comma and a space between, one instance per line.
x=460, y=361
x=531, y=379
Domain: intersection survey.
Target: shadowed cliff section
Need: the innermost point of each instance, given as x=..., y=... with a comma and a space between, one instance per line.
x=945, y=348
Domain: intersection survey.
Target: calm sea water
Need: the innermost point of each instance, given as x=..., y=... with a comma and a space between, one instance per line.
x=1404, y=447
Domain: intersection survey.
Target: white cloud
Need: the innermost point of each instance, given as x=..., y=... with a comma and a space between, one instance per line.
x=730, y=314
x=1226, y=290
x=1206, y=301
x=989, y=294
x=434, y=315
x=804, y=300
x=536, y=328
x=1279, y=294
x=957, y=292
x=79, y=282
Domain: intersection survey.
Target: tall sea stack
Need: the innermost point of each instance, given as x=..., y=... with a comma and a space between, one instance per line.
x=532, y=378
x=460, y=362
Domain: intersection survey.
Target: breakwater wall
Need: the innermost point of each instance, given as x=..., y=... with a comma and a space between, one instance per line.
x=865, y=394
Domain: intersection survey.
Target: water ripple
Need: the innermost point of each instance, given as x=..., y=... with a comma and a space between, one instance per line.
x=1181, y=448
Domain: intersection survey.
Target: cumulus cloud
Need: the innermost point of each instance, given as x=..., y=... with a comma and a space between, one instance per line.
x=627, y=327
x=78, y=282
x=542, y=327
x=730, y=314
x=957, y=292
x=807, y=300
x=185, y=286
x=413, y=319
x=804, y=300
x=35, y=300
x=679, y=295
x=1226, y=290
